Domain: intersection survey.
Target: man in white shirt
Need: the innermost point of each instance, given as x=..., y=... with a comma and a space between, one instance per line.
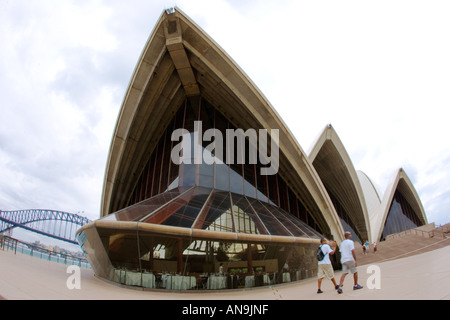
x=325, y=269
x=348, y=260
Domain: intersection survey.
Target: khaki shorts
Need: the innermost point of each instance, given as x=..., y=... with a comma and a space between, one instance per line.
x=349, y=266
x=325, y=270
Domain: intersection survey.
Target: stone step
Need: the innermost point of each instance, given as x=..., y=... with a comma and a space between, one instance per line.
x=404, y=246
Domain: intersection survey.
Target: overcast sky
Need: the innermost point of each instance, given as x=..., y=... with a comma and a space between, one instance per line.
x=378, y=71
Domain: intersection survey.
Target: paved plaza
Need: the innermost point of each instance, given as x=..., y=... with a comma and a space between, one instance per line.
x=423, y=276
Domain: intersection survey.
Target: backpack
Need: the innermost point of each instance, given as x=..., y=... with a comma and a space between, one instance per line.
x=319, y=254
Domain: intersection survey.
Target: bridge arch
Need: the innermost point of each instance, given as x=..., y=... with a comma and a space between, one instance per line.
x=24, y=218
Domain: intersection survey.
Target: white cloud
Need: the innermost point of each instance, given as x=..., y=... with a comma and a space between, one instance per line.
x=378, y=71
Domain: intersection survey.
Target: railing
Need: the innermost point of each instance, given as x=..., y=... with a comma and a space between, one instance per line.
x=8, y=243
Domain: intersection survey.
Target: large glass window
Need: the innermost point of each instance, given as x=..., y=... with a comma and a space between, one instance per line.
x=245, y=218
x=204, y=163
x=346, y=221
x=218, y=216
x=186, y=214
x=401, y=216
x=152, y=261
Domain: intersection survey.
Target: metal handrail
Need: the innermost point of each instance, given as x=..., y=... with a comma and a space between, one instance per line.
x=16, y=245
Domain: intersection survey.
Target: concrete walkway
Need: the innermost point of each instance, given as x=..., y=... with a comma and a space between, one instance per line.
x=423, y=276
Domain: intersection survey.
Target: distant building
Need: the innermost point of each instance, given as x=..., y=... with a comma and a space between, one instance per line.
x=202, y=171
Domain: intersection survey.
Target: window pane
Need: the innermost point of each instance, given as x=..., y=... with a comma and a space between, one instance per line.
x=245, y=219
x=273, y=225
x=219, y=216
x=185, y=215
x=236, y=180
x=222, y=177
x=206, y=177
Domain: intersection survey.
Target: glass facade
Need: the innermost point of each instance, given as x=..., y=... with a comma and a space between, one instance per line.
x=346, y=221
x=173, y=260
x=154, y=261
x=199, y=218
x=204, y=163
x=215, y=210
x=401, y=216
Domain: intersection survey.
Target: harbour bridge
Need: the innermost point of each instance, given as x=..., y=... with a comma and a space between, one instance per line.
x=55, y=224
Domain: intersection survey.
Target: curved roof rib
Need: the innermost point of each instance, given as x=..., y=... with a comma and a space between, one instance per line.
x=401, y=183
x=180, y=61
x=333, y=164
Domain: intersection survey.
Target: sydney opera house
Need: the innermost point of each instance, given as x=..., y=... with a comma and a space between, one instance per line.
x=206, y=188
